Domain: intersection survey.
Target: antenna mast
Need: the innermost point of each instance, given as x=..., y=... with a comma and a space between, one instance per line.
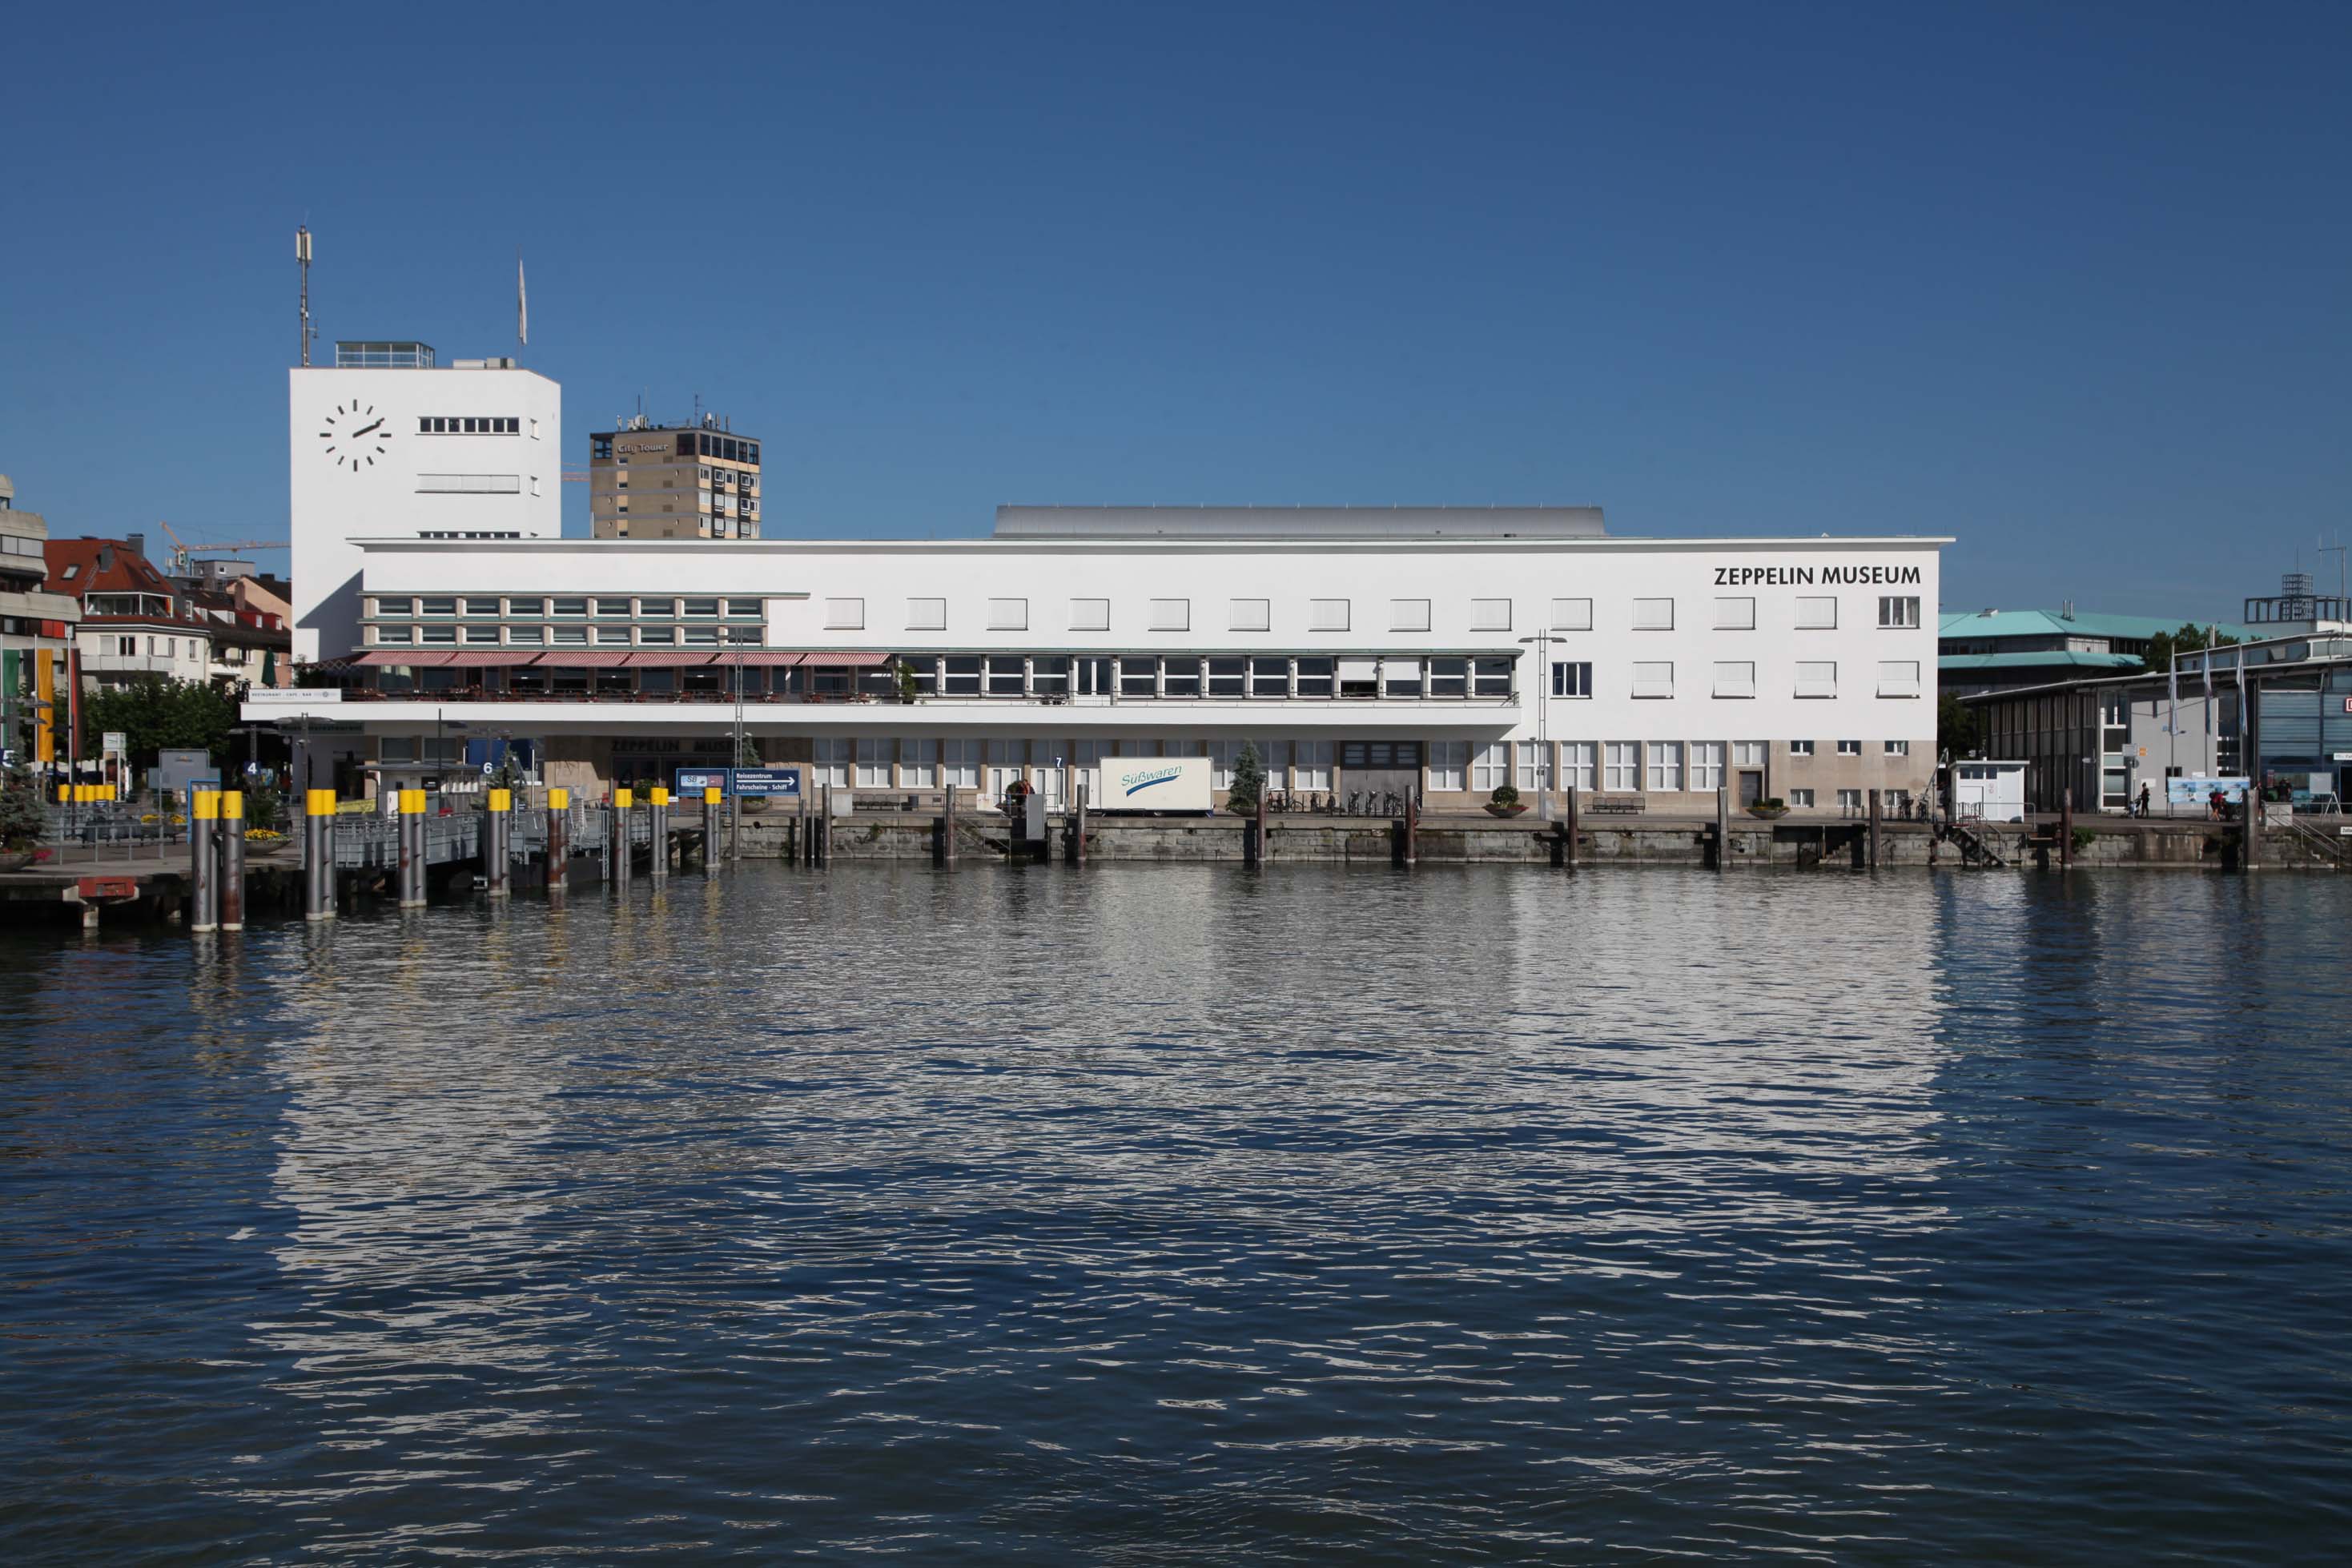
x=303, y=255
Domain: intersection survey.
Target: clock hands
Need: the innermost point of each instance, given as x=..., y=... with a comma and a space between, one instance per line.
x=365, y=428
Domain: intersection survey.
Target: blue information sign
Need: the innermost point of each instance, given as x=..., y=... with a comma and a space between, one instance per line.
x=745, y=782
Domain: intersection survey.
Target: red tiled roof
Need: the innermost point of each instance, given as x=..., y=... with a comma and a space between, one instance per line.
x=123, y=572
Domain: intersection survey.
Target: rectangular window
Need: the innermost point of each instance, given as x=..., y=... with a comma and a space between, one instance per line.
x=657, y=609
x=918, y=764
x=534, y=635
x=437, y=604
x=1090, y=614
x=1220, y=762
x=1180, y=678
x=482, y=634
x=529, y=609
x=1408, y=614
x=382, y=634
x=1228, y=677
x=1490, y=678
x=1801, y=797
x=1571, y=679
x=1665, y=764
x=1620, y=768
x=611, y=609
x=927, y=614
x=1401, y=678
x=743, y=609
x=1898, y=614
x=1314, y=677
x=1360, y=678
x=1490, y=766
x=1849, y=748
x=1654, y=678
x=1735, y=677
x=873, y=763
x=1490, y=615
x=1269, y=677
x=567, y=636
x=1577, y=761
x=1571, y=614
x=1008, y=615
x=382, y=606
x=480, y=608
x=1276, y=754
x=1535, y=765
x=569, y=609
x=1898, y=678
x=1706, y=765
x=1849, y=800
x=708, y=636
x=1326, y=615
x=1899, y=748
x=829, y=761
x=1800, y=748
x=1171, y=614
x=1816, y=678
x=960, y=763
x=1249, y=615
x=1315, y=765
x=612, y=635
x=844, y=616
x=1816, y=615
x=962, y=677
x=1049, y=675
x=1449, y=762
x=1449, y=677
x=1748, y=753
x=1139, y=677
x=1735, y=615
x=1653, y=614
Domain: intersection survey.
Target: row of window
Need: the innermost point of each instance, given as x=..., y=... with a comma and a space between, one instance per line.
x=475, y=607
x=689, y=444
x=1736, y=678
x=1648, y=615
x=450, y=636
x=471, y=425
x=475, y=484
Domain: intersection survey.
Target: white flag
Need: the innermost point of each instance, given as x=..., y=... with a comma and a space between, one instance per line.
x=522, y=305
x=2212, y=639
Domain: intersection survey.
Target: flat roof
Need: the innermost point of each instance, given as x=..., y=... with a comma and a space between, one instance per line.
x=1298, y=522
x=1337, y=543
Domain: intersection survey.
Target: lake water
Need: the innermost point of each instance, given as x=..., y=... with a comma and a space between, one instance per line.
x=1180, y=1214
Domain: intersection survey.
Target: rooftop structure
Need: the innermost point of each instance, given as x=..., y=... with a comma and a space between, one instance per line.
x=380, y=356
x=1990, y=650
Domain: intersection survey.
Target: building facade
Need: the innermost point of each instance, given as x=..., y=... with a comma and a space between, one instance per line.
x=135, y=623
x=1993, y=650
x=37, y=637
x=388, y=443
x=660, y=481
x=1435, y=652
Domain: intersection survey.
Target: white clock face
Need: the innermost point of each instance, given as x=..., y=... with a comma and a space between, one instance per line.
x=355, y=437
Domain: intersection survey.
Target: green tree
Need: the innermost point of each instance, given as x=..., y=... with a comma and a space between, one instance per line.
x=1957, y=732
x=1249, y=780
x=22, y=814
x=2191, y=638
x=155, y=714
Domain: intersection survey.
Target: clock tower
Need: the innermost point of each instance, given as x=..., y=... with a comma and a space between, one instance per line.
x=388, y=443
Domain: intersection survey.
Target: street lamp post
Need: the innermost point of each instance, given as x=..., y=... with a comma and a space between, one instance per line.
x=1541, y=642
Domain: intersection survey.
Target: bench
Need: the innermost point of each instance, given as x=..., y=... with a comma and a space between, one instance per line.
x=1614, y=805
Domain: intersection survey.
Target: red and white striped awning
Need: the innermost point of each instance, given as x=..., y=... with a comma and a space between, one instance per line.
x=668, y=658
x=586, y=658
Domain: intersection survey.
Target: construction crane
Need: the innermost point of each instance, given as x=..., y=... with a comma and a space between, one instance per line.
x=183, y=551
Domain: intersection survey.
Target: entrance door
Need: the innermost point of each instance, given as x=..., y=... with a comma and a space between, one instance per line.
x=1375, y=769
x=1752, y=786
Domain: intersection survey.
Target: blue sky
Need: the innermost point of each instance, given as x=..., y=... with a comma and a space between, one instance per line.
x=2068, y=283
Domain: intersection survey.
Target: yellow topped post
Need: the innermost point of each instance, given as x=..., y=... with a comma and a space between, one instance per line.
x=559, y=799
x=320, y=802
x=710, y=795
x=657, y=796
x=232, y=805
x=625, y=798
x=412, y=803
x=204, y=804
x=502, y=800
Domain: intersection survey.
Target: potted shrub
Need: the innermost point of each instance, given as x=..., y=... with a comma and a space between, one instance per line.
x=1504, y=802
x=1249, y=783
x=1767, y=809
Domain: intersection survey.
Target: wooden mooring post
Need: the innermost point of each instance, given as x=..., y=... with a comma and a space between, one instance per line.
x=1079, y=830
x=1567, y=861
x=2065, y=828
x=1876, y=801
x=1723, y=827
x=559, y=842
x=943, y=847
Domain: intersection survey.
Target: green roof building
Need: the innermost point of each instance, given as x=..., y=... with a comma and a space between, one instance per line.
x=1992, y=650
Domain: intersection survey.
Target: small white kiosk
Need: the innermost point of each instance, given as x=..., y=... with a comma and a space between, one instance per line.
x=1986, y=790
